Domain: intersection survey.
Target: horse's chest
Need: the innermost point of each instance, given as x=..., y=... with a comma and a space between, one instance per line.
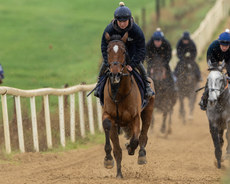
x=123, y=114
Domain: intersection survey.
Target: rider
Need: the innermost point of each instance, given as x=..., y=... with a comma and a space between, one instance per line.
x=159, y=46
x=186, y=51
x=123, y=22
x=1, y=74
x=219, y=50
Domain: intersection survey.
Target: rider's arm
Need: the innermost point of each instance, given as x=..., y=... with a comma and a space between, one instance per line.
x=193, y=50
x=179, y=50
x=168, y=54
x=139, y=42
x=212, y=53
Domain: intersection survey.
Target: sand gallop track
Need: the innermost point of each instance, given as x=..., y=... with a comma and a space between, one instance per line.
x=186, y=156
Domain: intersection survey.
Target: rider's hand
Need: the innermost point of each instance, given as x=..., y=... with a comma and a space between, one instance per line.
x=129, y=68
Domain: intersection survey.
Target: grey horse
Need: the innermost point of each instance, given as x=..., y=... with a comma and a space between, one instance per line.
x=218, y=110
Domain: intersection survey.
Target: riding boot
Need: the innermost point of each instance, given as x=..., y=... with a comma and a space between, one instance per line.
x=101, y=72
x=204, y=99
x=149, y=93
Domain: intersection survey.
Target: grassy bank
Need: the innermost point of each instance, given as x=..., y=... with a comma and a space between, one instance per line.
x=50, y=43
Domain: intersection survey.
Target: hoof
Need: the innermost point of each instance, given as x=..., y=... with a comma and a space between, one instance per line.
x=108, y=164
x=226, y=157
x=170, y=131
x=130, y=151
x=162, y=130
x=142, y=160
x=119, y=176
x=217, y=164
x=190, y=117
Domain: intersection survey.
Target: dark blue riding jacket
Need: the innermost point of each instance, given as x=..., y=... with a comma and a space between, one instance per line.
x=135, y=43
x=182, y=49
x=164, y=51
x=215, y=55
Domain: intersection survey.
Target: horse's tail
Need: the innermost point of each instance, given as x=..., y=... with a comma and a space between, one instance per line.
x=128, y=132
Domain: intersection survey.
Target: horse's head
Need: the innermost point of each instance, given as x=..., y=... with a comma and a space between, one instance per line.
x=116, y=51
x=157, y=69
x=217, y=83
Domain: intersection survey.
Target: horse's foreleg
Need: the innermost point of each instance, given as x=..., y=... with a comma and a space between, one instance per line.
x=117, y=152
x=134, y=141
x=192, y=101
x=215, y=137
x=108, y=161
x=163, y=126
x=146, y=117
x=170, y=123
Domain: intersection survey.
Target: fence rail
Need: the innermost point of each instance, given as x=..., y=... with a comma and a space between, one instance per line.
x=46, y=92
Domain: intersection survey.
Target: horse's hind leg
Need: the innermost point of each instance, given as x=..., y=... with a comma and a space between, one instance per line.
x=192, y=101
x=215, y=137
x=182, y=111
x=228, y=141
x=163, y=126
x=108, y=161
x=146, y=117
x=134, y=141
x=117, y=152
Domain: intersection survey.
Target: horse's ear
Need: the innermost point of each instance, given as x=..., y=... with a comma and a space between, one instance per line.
x=107, y=36
x=125, y=37
x=221, y=67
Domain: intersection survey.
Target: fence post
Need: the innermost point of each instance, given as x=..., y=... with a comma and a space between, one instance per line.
x=6, y=124
x=143, y=20
x=19, y=123
x=72, y=117
x=34, y=123
x=47, y=119
x=61, y=120
x=99, y=115
x=81, y=109
x=90, y=113
x=157, y=11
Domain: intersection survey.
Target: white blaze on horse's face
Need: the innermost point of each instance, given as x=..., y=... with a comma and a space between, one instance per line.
x=115, y=48
x=215, y=81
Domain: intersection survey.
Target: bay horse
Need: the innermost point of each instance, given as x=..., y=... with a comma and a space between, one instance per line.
x=166, y=96
x=219, y=118
x=187, y=82
x=122, y=107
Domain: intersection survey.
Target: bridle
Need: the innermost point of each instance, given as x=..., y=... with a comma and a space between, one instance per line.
x=120, y=74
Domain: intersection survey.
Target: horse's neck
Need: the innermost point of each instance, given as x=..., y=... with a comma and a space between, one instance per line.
x=225, y=98
x=125, y=84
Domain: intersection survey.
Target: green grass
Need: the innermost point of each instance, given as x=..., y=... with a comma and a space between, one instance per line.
x=50, y=43
x=72, y=28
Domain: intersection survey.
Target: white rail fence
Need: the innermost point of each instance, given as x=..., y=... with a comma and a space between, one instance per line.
x=207, y=27
x=46, y=92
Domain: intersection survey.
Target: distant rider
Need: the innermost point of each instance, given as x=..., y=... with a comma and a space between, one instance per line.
x=219, y=50
x=186, y=52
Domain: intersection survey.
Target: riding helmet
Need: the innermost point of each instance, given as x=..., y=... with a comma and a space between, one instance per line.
x=122, y=13
x=224, y=38
x=158, y=35
x=186, y=35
